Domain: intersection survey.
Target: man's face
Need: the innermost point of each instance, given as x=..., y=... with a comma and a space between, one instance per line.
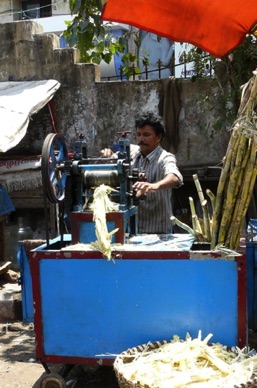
x=147, y=139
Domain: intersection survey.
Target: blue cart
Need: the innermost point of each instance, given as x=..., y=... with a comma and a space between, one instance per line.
x=87, y=310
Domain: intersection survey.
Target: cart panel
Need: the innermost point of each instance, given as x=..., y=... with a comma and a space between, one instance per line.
x=90, y=307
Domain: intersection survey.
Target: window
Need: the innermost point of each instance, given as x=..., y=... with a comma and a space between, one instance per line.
x=33, y=9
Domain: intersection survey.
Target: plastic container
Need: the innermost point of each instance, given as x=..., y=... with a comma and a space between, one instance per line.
x=12, y=244
x=24, y=232
x=14, y=234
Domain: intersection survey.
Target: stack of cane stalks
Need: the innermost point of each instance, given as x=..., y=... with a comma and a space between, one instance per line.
x=238, y=174
x=201, y=224
x=236, y=181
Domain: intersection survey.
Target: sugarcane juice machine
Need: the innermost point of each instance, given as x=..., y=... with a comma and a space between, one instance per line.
x=70, y=180
x=88, y=309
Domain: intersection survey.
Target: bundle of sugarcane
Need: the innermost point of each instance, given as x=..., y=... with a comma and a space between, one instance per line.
x=100, y=206
x=238, y=174
x=201, y=226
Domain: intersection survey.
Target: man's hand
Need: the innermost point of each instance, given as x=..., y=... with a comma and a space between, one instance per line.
x=169, y=181
x=144, y=188
x=107, y=153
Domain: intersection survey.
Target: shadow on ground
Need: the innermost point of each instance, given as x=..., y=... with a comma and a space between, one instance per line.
x=19, y=367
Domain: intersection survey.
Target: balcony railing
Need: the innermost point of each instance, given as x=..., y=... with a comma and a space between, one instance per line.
x=185, y=69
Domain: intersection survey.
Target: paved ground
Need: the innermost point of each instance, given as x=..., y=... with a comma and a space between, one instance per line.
x=19, y=369
x=18, y=365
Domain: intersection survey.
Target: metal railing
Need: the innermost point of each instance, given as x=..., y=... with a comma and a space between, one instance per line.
x=186, y=71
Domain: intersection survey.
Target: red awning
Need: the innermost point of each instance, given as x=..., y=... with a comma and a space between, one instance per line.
x=216, y=26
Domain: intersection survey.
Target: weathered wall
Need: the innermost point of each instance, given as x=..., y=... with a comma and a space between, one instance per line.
x=97, y=109
x=6, y=7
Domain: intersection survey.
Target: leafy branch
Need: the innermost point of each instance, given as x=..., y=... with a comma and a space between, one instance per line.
x=96, y=42
x=92, y=37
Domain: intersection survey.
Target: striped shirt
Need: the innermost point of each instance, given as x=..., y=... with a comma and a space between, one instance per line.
x=155, y=211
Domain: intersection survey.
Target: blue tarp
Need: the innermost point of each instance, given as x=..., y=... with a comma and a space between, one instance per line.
x=6, y=205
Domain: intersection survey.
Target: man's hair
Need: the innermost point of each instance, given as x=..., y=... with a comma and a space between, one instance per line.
x=149, y=118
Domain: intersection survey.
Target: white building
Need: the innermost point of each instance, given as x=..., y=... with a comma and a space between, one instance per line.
x=13, y=10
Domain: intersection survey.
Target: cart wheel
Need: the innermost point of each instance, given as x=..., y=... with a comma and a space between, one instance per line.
x=54, y=156
x=53, y=380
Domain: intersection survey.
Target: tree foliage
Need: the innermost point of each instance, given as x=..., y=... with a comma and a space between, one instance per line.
x=93, y=37
x=96, y=43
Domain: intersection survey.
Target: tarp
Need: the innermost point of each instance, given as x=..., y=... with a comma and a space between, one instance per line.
x=18, y=102
x=6, y=205
x=216, y=26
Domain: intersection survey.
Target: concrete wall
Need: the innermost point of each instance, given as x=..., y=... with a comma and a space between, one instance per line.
x=6, y=11
x=99, y=110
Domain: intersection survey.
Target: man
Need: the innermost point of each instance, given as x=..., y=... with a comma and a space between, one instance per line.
x=162, y=174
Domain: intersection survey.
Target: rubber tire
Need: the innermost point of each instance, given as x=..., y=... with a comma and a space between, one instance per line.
x=52, y=380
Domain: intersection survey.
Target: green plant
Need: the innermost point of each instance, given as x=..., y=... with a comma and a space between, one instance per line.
x=232, y=71
x=87, y=32
x=93, y=38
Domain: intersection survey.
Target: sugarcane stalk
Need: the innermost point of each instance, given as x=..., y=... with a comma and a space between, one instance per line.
x=233, y=188
x=251, y=104
x=198, y=228
x=236, y=240
x=195, y=221
x=242, y=183
x=199, y=188
x=239, y=128
x=212, y=199
x=226, y=230
x=243, y=200
x=224, y=197
x=243, y=144
x=220, y=190
x=211, y=226
x=201, y=227
x=206, y=220
x=245, y=95
x=182, y=225
x=205, y=233
x=198, y=236
x=248, y=98
x=251, y=189
x=192, y=206
x=237, y=227
x=197, y=225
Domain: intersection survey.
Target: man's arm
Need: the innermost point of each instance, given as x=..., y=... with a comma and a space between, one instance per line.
x=108, y=153
x=169, y=181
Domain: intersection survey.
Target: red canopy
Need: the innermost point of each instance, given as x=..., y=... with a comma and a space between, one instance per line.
x=216, y=26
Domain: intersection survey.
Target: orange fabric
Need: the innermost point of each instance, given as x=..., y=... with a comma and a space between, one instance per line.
x=216, y=26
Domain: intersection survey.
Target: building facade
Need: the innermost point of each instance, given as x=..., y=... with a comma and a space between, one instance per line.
x=14, y=10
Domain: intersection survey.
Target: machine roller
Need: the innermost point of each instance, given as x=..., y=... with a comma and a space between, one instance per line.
x=79, y=175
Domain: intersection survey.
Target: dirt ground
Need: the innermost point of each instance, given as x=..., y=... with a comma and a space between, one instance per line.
x=19, y=368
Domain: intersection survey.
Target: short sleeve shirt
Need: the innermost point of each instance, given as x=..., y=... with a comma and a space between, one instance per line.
x=155, y=211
